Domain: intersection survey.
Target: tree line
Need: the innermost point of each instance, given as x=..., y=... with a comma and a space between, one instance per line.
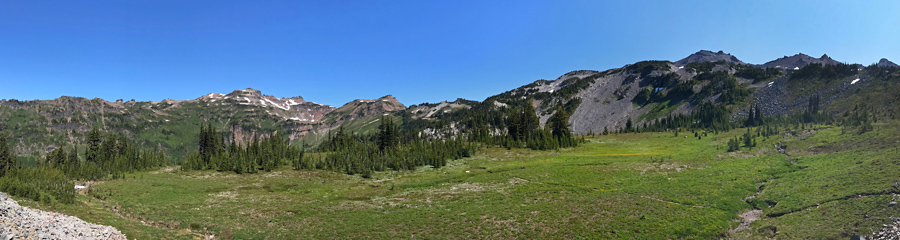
x=106, y=156
x=267, y=153
x=392, y=146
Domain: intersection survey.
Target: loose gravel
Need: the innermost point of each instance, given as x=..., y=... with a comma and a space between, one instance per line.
x=23, y=222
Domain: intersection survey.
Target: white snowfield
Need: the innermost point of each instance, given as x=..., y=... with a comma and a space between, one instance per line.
x=854, y=81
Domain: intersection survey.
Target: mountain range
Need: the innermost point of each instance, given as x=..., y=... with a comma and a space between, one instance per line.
x=598, y=101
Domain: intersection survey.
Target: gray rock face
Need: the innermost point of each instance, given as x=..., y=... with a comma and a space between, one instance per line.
x=886, y=63
x=708, y=56
x=23, y=222
x=798, y=61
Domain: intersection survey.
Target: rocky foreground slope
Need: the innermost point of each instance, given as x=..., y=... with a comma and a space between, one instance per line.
x=23, y=222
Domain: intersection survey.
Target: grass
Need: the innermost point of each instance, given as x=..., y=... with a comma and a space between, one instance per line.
x=628, y=186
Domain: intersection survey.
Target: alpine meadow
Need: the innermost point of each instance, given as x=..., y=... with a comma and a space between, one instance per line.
x=704, y=147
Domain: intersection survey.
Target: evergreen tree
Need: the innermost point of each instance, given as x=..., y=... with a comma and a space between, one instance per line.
x=92, y=153
x=108, y=152
x=628, y=125
x=7, y=158
x=750, y=118
x=202, y=145
x=73, y=162
x=748, y=139
x=523, y=122
x=559, y=125
x=387, y=135
x=758, y=116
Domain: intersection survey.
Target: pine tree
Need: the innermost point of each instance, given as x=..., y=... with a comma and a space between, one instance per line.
x=750, y=118
x=748, y=139
x=203, y=144
x=559, y=125
x=387, y=135
x=530, y=121
x=628, y=125
x=92, y=153
x=73, y=162
x=7, y=158
x=758, y=116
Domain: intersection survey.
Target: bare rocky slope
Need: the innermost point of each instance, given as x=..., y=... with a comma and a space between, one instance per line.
x=606, y=100
x=798, y=61
x=596, y=100
x=886, y=63
x=708, y=56
x=18, y=222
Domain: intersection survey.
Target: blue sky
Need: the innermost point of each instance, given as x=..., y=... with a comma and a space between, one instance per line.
x=333, y=52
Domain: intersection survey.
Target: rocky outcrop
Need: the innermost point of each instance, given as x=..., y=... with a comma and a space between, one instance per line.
x=888, y=232
x=798, y=61
x=886, y=63
x=428, y=110
x=364, y=107
x=708, y=56
x=293, y=108
x=23, y=222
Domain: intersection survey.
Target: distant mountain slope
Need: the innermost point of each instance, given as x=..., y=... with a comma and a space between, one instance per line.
x=648, y=91
x=38, y=126
x=708, y=56
x=606, y=100
x=428, y=110
x=294, y=108
x=886, y=63
x=640, y=93
x=798, y=61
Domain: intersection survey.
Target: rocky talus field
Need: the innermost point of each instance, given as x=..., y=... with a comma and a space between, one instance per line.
x=18, y=222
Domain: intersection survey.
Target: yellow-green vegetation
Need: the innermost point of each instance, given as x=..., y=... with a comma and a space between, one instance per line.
x=835, y=183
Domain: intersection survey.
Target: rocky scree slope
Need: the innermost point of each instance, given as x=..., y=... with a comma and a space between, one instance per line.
x=24, y=222
x=606, y=100
x=430, y=110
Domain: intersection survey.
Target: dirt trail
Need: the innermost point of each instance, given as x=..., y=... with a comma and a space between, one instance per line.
x=748, y=217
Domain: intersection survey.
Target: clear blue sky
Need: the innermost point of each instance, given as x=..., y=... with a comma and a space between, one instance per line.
x=420, y=51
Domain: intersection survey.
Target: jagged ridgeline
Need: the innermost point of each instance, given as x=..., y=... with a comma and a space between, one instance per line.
x=707, y=90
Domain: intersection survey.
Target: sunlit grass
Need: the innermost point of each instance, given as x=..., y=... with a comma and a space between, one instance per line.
x=646, y=186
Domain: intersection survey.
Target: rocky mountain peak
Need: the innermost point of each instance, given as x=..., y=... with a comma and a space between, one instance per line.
x=798, y=61
x=366, y=107
x=886, y=63
x=245, y=92
x=708, y=56
x=390, y=99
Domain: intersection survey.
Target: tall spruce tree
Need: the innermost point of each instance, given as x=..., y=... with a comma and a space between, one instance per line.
x=758, y=116
x=7, y=158
x=559, y=124
x=202, y=145
x=387, y=135
x=92, y=153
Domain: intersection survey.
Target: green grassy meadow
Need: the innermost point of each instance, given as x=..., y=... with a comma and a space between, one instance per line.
x=629, y=186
